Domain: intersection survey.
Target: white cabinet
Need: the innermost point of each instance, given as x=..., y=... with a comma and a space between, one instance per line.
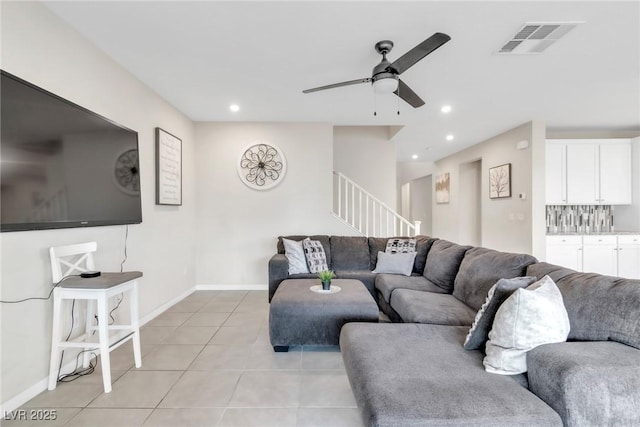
x=565, y=251
x=615, y=173
x=582, y=174
x=556, y=174
x=604, y=254
x=588, y=172
x=629, y=256
x=600, y=255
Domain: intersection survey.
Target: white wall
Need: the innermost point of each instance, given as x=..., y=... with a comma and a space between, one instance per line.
x=367, y=156
x=469, y=224
x=421, y=201
x=38, y=47
x=408, y=171
x=507, y=224
x=237, y=226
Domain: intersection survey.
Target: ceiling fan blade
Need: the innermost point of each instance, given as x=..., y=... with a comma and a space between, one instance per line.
x=410, y=58
x=349, y=83
x=406, y=94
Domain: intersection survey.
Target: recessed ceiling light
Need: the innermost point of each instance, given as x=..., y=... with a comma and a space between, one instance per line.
x=446, y=109
x=415, y=156
x=449, y=137
x=234, y=107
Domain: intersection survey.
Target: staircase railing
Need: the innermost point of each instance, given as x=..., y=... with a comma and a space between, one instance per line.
x=368, y=215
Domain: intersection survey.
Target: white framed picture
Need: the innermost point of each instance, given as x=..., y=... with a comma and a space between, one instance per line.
x=168, y=169
x=261, y=165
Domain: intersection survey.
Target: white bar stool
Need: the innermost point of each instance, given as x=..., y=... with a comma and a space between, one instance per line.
x=96, y=291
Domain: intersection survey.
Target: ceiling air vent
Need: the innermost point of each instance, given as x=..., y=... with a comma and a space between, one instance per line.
x=535, y=37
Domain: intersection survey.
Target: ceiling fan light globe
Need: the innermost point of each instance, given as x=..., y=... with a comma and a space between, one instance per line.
x=386, y=85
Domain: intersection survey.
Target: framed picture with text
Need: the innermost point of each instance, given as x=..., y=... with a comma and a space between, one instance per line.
x=168, y=169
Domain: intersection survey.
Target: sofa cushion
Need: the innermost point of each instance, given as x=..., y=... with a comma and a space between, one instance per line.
x=527, y=319
x=427, y=307
x=423, y=245
x=588, y=383
x=322, y=238
x=366, y=277
x=481, y=268
x=419, y=375
x=386, y=283
x=541, y=269
x=349, y=253
x=443, y=262
x=498, y=294
x=600, y=308
x=395, y=263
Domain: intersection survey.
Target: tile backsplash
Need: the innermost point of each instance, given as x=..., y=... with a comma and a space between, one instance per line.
x=579, y=218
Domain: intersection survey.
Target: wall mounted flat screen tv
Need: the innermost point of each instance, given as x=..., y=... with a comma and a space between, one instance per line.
x=62, y=165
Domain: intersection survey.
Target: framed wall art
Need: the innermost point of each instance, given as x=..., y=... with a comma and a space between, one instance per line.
x=500, y=181
x=261, y=166
x=443, y=186
x=168, y=169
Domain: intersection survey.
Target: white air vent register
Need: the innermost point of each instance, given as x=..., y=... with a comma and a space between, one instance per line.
x=535, y=37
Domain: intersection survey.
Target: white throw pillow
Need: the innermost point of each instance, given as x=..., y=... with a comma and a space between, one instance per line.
x=528, y=318
x=295, y=255
x=398, y=263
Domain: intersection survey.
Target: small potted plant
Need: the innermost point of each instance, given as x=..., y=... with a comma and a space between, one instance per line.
x=325, y=277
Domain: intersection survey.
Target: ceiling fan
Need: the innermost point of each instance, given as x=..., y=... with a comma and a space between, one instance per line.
x=384, y=77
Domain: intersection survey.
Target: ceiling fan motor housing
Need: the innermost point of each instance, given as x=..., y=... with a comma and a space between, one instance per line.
x=382, y=70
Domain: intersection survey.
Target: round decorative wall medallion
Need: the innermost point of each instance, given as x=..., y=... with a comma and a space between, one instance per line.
x=127, y=172
x=262, y=166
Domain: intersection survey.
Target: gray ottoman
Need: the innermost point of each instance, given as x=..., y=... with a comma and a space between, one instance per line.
x=298, y=316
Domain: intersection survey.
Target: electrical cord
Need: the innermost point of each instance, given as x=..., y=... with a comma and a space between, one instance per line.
x=126, y=237
x=121, y=297
x=73, y=321
x=75, y=374
x=41, y=298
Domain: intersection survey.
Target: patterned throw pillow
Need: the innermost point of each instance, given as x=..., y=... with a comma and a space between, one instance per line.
x=316, y=258
x=400, y=246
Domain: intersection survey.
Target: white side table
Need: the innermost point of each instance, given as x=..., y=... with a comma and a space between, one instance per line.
x=97, y=292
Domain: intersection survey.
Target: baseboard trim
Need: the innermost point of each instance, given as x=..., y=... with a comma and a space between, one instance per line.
x=149, y=317
x=239, y=287
x=22, y=398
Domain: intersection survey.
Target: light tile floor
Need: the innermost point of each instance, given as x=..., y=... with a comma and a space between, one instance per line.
x=207, y=361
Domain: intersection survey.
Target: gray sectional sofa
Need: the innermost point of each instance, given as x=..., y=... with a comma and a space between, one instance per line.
x=415, y=371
